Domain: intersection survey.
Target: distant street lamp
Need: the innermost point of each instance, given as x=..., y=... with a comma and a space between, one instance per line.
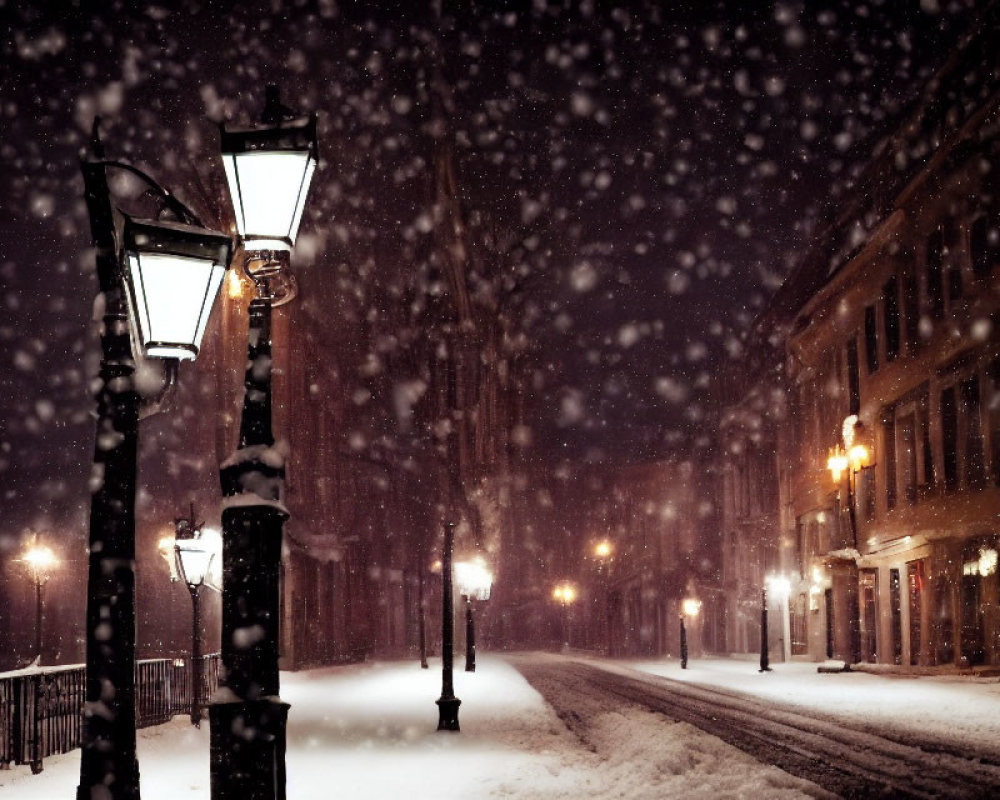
x=474, y=583
x=779, y=587
x=268, y=169
x=604, y=553
x=689, y=608
x=158, y=281
x=41, y=561
x=565, y=593
x=193, y=556
x=447, y=703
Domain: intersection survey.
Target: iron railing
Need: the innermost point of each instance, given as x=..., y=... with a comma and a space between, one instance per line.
x=41, y=713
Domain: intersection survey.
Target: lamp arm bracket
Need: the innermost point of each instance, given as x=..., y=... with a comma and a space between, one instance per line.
x=160, y=402
x=175, y=206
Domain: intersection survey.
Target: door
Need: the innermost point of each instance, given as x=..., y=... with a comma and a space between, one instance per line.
x=868, y=586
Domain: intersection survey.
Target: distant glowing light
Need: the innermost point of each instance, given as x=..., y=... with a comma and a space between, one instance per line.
x=602, y=549
x=691, y=607
x=779, y=586
x=565, y=593
x=41, y=560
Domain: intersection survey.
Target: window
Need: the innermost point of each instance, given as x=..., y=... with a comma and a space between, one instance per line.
x=993, y=415
x=954, y=285
x=853, y=377
x=949, y=435
x=889, y=433
x=911, y=310
x=984, y=246
x=890, y=301
x=934, y=273
x=973, y=462
x=871, y=339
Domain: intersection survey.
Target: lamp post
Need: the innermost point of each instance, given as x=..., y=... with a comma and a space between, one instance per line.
x=41, y=561
x=565, y=593
x=474, y=583
x=604, y=552
x=691, y=607
x=158, y=281
x=765, y=658
x=268, y=169
x=193, y=557
x=851, y=459
x=447, y=703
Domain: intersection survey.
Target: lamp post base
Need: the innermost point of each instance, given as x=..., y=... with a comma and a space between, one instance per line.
x=448, y=713
x=247, y=750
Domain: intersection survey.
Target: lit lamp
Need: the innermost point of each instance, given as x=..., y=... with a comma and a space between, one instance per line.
x=158, y=280
x=690, y=607
x=565, y=593
x=474, y=583
x=604, y=552
x=268, y=168
x=40, y=561
x=193, y=555
x=174, y=275
x=850, y=459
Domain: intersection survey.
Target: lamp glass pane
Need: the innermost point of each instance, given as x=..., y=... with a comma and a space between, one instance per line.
x=195, y=560
x=173, y=297
x=268, y=190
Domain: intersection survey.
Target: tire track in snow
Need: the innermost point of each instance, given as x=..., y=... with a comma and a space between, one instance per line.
x=844, y=759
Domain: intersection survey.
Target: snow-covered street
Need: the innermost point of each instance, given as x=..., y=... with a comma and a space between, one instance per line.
x=369, y=731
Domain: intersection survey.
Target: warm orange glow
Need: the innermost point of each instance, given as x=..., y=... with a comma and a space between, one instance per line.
x=837, y=463
x=859, y=457
x=564, y=593
x=603, y=549
x=691, y=607
x=234, y=285
x=41, y=560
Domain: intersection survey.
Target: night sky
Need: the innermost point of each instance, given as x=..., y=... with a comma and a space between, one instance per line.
x=656, y=169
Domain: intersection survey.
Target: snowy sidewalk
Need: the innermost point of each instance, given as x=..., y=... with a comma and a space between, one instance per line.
x=368, y=731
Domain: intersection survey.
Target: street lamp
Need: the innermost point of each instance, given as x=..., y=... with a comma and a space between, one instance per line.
x=851, y=459
x=158, y=280
x=779, y=587
x=447, y=703
x=691, y=607
x=474, y=583
x=41, y=561
x=565, y=593
x=193, y=555
x=604, y=553
x=268, y=169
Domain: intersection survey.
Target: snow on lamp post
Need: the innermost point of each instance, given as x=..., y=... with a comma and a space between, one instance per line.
x=474, y=583
x=193, y=555
x=565, y=593
x=268, y=169
x=41, y=561
x=158, y=280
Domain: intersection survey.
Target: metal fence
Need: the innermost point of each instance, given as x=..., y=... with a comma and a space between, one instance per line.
x=41, y=713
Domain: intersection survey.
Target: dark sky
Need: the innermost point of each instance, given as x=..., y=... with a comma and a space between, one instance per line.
x=660, y=166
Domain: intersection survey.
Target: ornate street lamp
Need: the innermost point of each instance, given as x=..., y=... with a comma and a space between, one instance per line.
x=474, y=583
x=268, y=168
x=40, y=561
x=565, y=593
x=193, y=555
x=158, y=280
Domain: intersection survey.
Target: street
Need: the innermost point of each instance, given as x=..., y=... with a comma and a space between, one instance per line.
x=846, y=757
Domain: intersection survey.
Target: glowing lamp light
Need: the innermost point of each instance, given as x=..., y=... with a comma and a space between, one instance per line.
x=474, y=579
x=602, y=549
x=194, y=560
x=691, y=607
x=173, y=277
x=564, y=593
x=837, y=463
x=779, y=586
x=41, y=561
x=858, y=456
x=269, y=168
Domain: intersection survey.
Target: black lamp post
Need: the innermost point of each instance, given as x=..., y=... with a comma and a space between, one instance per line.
x=447, y=703
x=474, y=583
x=40, y=560
x=565, y=593
x=268, y=168
x=193, y=558
x=158, y=281
x=765, y=660
x=684, y=645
